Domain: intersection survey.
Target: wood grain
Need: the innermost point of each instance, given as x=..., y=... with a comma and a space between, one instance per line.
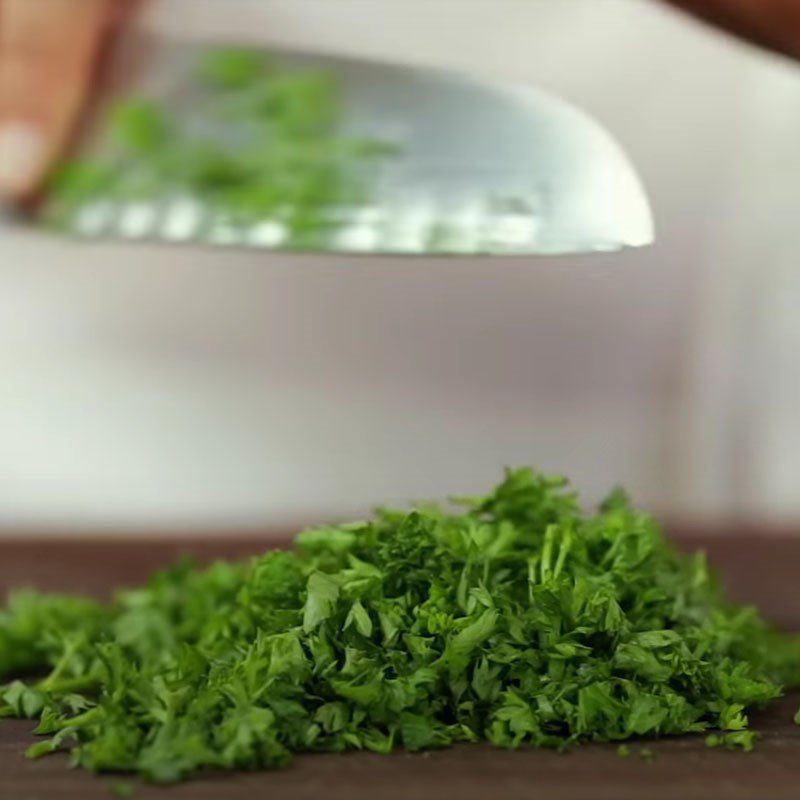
x=760, y=570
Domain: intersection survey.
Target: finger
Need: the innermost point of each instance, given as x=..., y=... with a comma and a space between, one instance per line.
x=47, y=53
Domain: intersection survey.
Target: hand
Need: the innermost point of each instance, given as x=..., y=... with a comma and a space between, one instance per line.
x=774, y=24
x=48, y=51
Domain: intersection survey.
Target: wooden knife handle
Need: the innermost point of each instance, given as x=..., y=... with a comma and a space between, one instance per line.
x=773, y=24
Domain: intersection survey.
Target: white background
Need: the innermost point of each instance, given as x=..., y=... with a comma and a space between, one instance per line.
x=147, y=387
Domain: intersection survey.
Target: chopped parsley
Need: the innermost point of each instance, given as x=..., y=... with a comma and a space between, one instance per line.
x=513, y=618
x=264, y=143
x=736, y=740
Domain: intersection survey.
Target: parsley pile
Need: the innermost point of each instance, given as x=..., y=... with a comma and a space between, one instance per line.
x=518, y=620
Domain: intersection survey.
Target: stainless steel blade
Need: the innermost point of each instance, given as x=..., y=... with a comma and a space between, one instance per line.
x=483, y=168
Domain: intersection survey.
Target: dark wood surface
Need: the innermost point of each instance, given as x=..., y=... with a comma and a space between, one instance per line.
x=756, y=569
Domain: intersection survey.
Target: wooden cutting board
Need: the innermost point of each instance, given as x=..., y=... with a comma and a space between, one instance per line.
x=756, y=569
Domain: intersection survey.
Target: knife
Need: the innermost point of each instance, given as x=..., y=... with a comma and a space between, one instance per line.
x=463, y=166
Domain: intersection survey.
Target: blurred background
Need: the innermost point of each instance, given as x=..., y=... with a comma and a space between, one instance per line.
x=153, y=388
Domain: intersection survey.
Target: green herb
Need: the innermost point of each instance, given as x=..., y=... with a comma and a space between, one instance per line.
x=623, y=751
x=516, y=620
x=122, y=790
x=139, y=127
x=647, y=755
x=231, y=68
x=264, y=145
x=738, y=740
